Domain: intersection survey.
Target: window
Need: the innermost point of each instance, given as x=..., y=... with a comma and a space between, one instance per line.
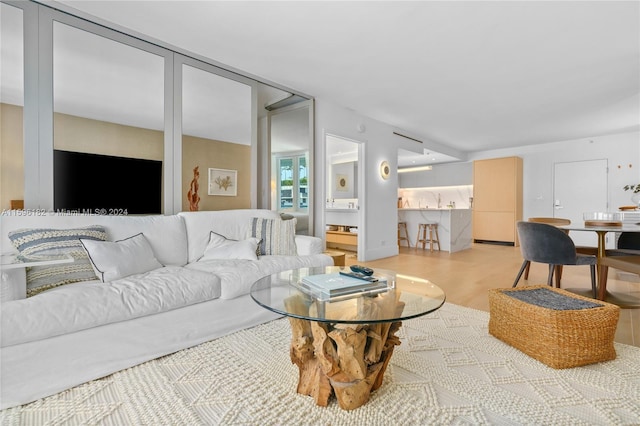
x=293, y=183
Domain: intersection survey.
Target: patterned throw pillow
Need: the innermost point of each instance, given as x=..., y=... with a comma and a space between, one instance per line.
x=278, y=236
x=44, y=243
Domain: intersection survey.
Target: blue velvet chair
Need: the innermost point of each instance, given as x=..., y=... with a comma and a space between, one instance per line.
x=544, y=243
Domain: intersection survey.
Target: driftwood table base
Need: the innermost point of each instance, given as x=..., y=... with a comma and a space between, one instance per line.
x=348, y=360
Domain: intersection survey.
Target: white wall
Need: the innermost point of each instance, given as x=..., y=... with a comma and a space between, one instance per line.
x=378, y=227
x=620, y=150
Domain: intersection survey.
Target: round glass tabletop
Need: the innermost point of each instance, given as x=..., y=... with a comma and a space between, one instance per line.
x=402, y=298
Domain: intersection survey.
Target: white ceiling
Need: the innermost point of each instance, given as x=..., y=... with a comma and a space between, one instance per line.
x=471, y=76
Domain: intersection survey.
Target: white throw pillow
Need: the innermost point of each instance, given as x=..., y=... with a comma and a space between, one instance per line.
x=220, y=247
x=119, y=259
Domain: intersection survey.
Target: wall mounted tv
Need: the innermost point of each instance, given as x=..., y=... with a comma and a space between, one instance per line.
x=103, y=184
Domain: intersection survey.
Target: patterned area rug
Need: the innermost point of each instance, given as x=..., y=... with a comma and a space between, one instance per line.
x=447, y=370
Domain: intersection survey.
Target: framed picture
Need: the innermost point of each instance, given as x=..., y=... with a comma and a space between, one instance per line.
x=223, y=182
x=342, y=183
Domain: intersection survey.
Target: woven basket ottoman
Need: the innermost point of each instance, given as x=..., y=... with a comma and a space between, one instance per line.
x=554, y=326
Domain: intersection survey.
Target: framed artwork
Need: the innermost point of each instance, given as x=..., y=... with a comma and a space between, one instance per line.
x=342, y=183
x=223, y=182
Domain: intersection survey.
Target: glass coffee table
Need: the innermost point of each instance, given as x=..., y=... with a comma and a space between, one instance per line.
x=343, y=345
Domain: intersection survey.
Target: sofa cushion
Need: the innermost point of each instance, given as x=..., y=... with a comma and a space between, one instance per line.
x=166, y=234
x=81, y=306
x=237, y=276
x=277, y=236
x=114, y=260
x=233, y=224
x=43, y=243
x=220, y=247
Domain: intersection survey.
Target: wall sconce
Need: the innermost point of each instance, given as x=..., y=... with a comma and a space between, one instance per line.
x=385, y=170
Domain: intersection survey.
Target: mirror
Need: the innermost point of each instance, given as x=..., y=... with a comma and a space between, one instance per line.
x=108, y=122
x=291, y=136
x=342, y=173
x=344, y=180
x=11, y=107
x=216, y=141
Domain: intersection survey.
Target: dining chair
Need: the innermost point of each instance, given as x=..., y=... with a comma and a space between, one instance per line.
x=557, y=221
x=625, y=257
x=628, y=244
x=544, y=243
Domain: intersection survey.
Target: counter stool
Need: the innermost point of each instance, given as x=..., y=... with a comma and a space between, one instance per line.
x=433, y=235
x=402, y=228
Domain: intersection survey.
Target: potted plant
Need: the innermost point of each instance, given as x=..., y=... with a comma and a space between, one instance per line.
x=635, y=196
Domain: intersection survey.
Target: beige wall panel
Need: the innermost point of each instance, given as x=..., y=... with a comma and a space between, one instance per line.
x=205, y=154
x=11, y=155
x=100, y=137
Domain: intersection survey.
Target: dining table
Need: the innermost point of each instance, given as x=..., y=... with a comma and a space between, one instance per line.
x=623, y=300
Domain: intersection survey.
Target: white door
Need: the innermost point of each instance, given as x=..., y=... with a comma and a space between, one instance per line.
x=579, y=187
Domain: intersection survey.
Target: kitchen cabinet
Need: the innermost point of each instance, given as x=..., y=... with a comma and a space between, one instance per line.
x=497, y=200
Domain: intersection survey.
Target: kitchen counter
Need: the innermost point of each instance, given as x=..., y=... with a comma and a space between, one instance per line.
x=427, y=209
x=454, y=226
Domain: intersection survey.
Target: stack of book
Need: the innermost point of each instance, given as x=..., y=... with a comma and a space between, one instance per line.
x=328, y=286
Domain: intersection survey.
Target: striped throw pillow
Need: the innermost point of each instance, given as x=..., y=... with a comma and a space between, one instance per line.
x=40, y=244
x=278, y=236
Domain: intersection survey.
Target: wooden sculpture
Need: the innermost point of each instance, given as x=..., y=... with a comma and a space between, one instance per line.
x=192, y=195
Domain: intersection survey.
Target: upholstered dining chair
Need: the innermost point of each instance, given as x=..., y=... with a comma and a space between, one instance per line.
x=544, y=243
x=557, y=221
x=629, y=243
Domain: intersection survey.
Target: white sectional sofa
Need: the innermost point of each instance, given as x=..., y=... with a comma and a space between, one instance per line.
x=77, y=332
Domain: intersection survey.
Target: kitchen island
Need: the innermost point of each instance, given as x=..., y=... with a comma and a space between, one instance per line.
x=454, y=226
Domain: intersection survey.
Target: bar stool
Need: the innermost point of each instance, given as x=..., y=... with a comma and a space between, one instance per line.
x=433, y=235
x=402, y=228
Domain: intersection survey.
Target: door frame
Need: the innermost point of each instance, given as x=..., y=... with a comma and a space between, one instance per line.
x=361, y=189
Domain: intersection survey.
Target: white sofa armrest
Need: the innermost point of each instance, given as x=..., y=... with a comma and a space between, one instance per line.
x=13, y=284
x=308, y=245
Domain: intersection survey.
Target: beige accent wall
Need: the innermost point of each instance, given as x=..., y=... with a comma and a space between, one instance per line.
x=11, y=155
x=205, y=154
x=73, y=133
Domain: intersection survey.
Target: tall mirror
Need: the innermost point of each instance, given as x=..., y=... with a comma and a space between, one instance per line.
x=291, y=137
x=11, y=107
x=216, y=141
x=108, y=122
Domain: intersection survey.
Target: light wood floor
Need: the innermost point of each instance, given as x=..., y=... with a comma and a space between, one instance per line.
x=467, y=275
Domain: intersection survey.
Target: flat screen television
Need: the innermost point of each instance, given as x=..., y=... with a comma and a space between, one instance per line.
x=104, y=184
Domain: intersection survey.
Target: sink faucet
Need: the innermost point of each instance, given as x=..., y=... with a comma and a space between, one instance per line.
x=439, y=201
